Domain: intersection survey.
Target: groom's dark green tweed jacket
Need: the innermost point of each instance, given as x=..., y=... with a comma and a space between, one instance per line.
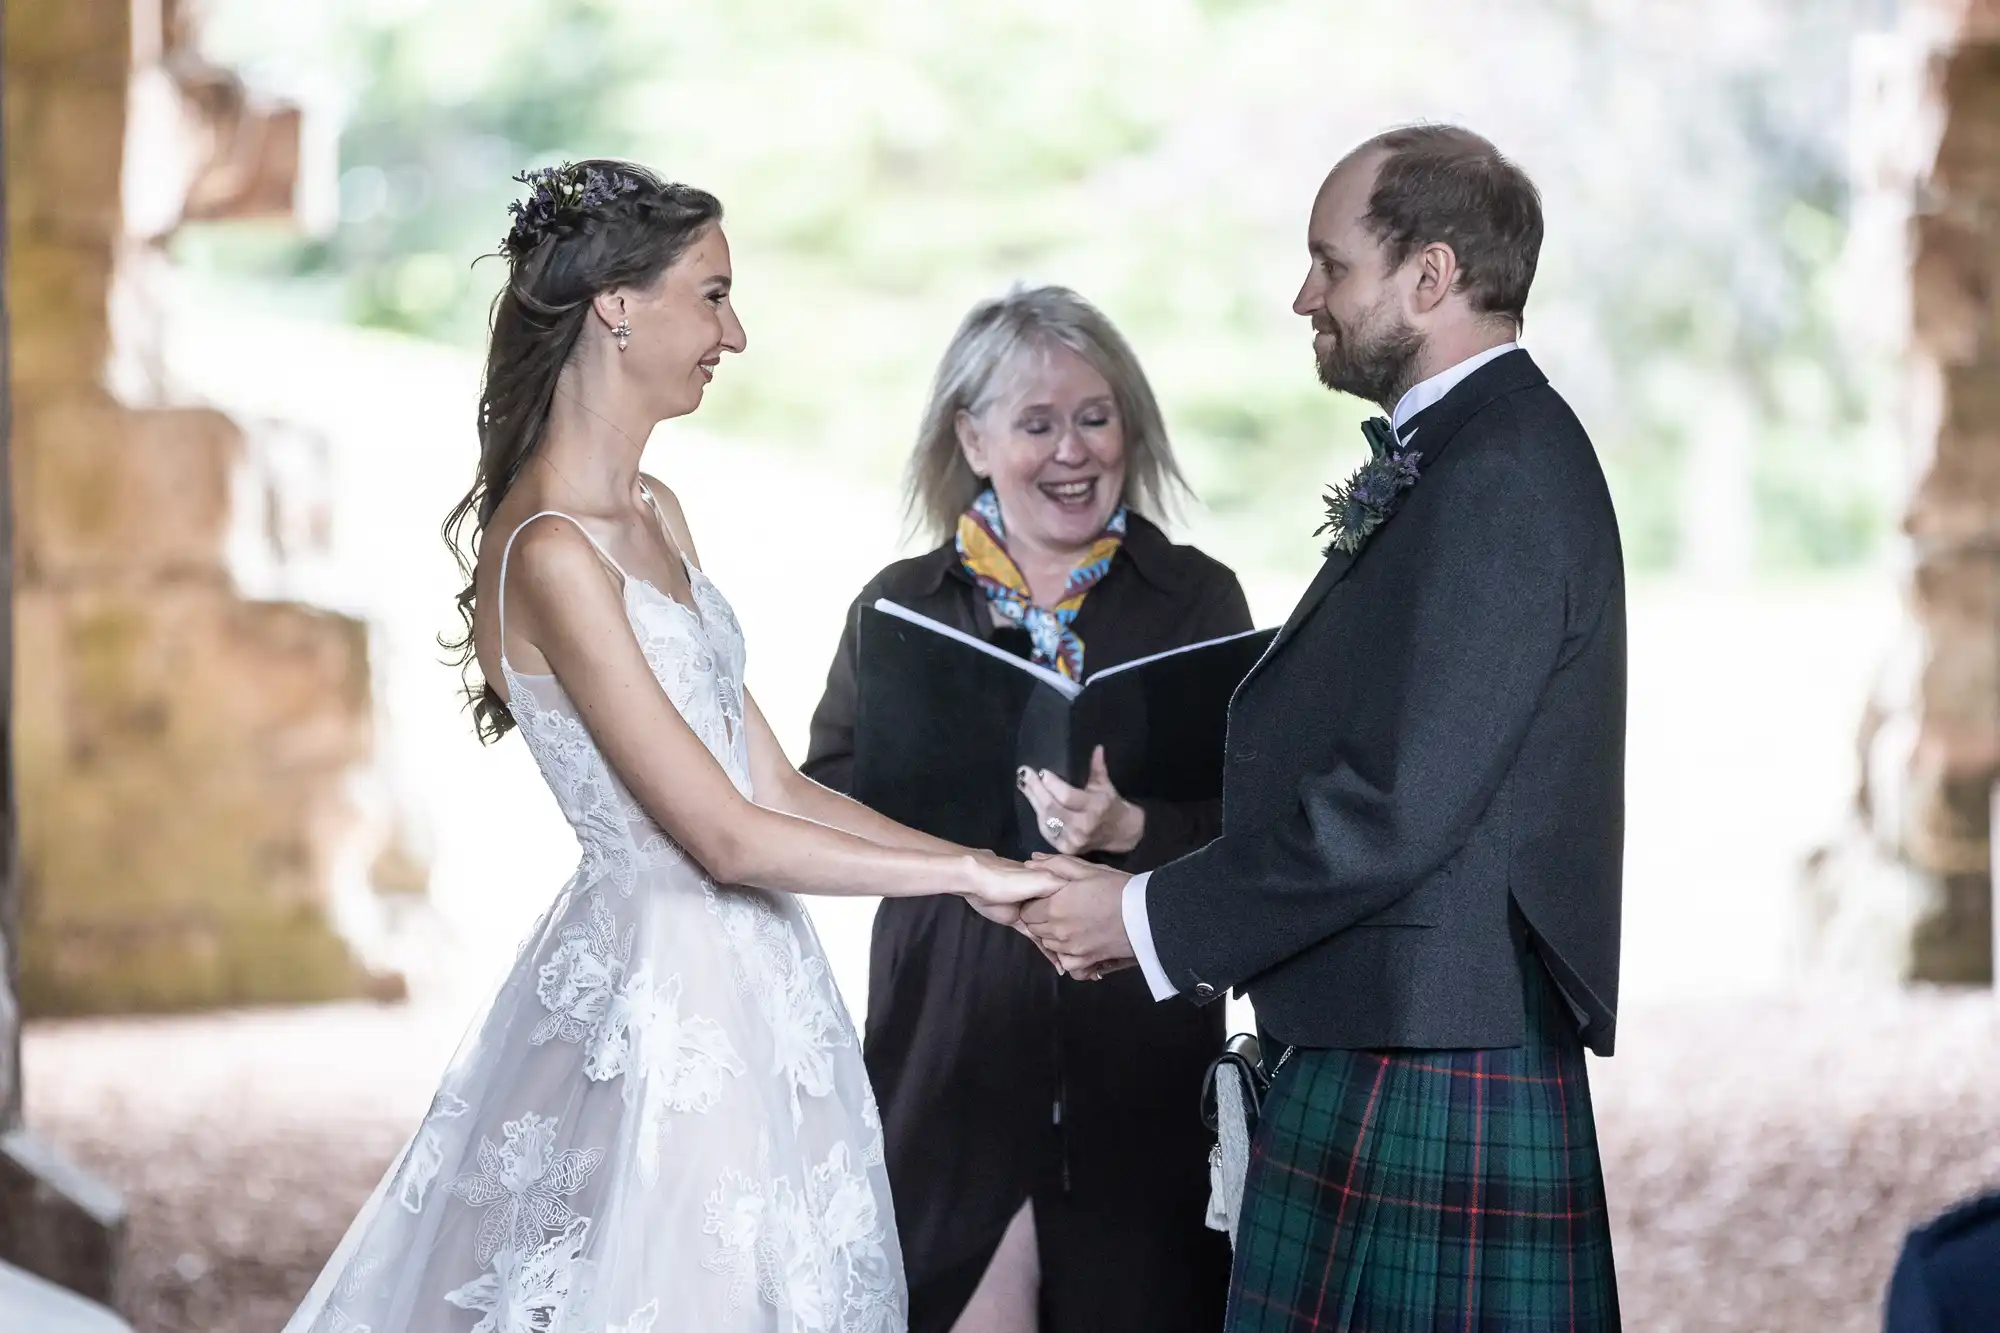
x=1436, y=737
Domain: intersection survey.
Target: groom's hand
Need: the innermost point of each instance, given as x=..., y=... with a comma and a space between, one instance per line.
x=1083, y=924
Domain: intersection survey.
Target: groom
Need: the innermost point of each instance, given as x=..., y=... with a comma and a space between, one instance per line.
x=1417, y=880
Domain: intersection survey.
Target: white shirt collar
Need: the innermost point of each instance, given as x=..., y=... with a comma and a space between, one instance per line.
x=1433, y=390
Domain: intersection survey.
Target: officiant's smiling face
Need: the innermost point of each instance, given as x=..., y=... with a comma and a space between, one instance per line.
x=1053, y=447
x=1362, y=337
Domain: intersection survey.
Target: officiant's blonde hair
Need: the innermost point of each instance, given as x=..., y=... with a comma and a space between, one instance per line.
x=995, y=347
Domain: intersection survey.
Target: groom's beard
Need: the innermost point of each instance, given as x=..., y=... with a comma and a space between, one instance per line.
x=1376, y=365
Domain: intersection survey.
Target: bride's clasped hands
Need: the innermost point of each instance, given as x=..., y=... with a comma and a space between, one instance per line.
x=998, y=888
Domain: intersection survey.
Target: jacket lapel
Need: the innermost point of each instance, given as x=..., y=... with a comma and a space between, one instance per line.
x=1331, y=572
x=1429, y=431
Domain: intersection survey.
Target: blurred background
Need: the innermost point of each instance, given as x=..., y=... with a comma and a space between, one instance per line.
x=265, y=871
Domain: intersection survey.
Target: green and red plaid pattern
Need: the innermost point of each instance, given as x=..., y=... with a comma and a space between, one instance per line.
x=1422, y=1191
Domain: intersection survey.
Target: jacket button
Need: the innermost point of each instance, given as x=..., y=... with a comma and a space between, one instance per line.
x=1204, y=991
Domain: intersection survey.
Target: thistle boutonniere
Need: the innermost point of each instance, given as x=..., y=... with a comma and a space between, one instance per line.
x=1359, y=505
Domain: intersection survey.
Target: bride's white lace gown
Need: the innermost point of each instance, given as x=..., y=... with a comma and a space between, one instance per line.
x=661, y=1122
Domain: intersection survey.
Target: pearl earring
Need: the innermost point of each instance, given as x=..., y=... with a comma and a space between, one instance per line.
x=623, y=333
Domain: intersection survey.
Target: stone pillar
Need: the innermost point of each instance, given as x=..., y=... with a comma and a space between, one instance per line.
x=1910, y=892
x=10, y=861
x=57, y=1226
x=185, y=755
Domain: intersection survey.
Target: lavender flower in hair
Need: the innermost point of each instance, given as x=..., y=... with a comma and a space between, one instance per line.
x=554, y=192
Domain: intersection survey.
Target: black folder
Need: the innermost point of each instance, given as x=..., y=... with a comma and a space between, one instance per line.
x=943, y=720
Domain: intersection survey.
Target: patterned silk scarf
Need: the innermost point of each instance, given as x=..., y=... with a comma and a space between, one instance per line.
x=982, y=549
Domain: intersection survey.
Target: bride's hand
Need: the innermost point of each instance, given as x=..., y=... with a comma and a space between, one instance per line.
x=997, y=887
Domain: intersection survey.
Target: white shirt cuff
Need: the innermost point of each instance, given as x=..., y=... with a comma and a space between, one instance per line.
x=1139, y=931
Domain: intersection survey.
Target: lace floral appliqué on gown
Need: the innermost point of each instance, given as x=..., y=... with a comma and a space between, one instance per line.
x=661, y=1122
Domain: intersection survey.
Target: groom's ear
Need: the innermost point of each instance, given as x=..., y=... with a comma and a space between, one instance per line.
x=1437, y=275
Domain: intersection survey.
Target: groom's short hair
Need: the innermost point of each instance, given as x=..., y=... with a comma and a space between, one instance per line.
x=1443, y=183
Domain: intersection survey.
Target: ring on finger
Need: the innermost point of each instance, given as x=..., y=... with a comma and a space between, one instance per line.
x=1053, y=825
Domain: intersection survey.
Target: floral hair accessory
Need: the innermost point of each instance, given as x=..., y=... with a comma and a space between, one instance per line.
x=555, y=196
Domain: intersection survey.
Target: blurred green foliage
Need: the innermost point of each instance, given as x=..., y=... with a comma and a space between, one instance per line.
x=886, y=162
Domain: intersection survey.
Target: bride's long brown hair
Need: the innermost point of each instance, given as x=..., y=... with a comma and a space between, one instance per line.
x=584, y=228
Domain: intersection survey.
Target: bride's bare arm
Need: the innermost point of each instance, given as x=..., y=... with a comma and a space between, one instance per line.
x=781, y=786
x=778, y=783
x=574, y=615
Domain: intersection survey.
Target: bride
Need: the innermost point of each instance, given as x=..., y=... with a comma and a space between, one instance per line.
x=661, y=1122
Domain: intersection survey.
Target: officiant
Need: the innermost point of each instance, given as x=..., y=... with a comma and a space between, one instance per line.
x=1045, y=1152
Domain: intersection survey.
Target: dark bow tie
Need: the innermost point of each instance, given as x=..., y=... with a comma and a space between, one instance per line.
x=1381, y=437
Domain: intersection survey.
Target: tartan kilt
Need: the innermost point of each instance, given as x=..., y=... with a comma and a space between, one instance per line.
x=1416, y=1190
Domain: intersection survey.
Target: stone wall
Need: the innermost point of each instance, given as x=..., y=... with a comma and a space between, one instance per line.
x=1911, y=891
x=10, y=863
x=184, y=755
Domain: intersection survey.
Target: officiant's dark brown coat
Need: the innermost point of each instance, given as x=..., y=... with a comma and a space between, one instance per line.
x=999, y=1080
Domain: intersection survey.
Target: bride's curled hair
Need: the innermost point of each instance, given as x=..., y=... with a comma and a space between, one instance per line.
x=584, y=227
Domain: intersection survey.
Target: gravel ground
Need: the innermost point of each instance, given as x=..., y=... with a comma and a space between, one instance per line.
x=1764, y=1158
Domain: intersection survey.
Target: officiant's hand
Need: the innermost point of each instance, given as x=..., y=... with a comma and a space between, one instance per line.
x=1083, y=925
x=1079, y=820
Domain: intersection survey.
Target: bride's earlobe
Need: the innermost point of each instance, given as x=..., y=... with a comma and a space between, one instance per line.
x=619, y=326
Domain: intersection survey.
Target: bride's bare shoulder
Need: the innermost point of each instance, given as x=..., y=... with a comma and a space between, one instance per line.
x=552, y=575
x=544, y=553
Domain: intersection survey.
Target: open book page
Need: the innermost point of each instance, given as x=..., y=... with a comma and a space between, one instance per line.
x=1171, y=652
x=1062, y=684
